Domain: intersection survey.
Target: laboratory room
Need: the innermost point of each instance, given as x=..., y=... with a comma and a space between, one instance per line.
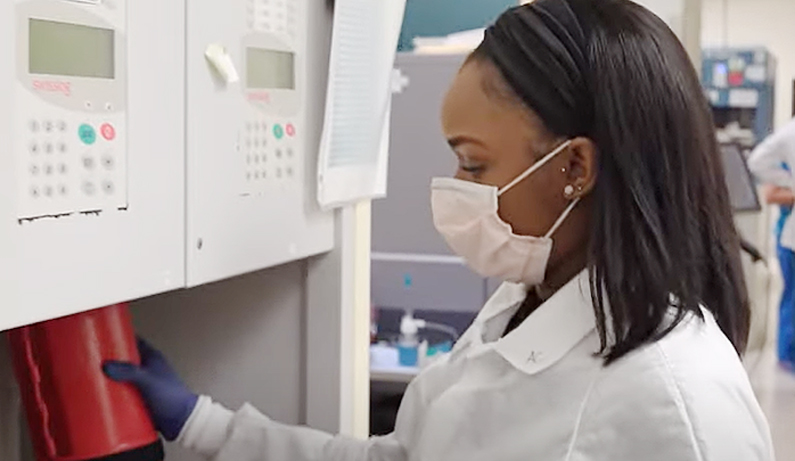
x=397, y=230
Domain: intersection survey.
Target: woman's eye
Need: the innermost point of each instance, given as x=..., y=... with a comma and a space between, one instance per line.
x=472, y=169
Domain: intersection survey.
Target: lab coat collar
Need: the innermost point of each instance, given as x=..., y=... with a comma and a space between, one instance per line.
x=509, y=296
x=550, y=332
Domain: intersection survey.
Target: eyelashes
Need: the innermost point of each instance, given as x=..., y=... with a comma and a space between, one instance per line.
x=469, y=166
x=472, y=169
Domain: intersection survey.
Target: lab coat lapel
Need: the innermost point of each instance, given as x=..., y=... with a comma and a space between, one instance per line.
x=508, y=297
x=550, y=332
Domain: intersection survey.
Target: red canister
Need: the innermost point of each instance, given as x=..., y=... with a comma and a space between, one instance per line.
x=74, y=412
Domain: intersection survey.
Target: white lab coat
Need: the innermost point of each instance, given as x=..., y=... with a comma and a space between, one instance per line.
x=538, y=393
x=766, y=163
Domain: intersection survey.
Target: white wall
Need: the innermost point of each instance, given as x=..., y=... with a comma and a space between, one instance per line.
x=768, y=23
x=684, y=18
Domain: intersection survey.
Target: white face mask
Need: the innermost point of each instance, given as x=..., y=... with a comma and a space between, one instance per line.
x=466, y=214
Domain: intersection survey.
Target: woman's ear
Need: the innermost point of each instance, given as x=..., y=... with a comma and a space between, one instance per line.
x=582, y=167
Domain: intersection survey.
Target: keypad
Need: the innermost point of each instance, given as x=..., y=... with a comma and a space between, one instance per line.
x=268, y=153
x=47, y=146
x=273, y=16
x=81, y=155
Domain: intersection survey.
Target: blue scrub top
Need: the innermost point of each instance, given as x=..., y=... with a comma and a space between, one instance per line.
x=785, y=213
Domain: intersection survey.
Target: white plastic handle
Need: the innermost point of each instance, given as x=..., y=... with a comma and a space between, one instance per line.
x=222, y=62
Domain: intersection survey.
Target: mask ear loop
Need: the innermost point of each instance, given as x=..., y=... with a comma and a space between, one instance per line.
x=535, y=167
x=563, y=217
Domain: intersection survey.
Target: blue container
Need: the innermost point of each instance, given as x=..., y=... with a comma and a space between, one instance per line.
x=441, y=348
x=408, y=356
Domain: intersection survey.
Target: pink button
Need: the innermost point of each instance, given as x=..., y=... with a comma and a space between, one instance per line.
x=108, y=132
x=290, y=130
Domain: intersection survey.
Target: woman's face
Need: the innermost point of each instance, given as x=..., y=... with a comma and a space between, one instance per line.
x=496, y=139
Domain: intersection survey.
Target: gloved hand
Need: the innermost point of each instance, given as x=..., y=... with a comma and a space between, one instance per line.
x=169, y=401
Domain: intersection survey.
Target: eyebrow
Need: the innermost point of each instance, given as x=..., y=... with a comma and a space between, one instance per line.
x=456, y=141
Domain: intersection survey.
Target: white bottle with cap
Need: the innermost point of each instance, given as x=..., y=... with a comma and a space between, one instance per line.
x=408, y=342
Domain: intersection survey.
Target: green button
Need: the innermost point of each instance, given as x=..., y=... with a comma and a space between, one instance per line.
x=278, y=131
x=87, y=134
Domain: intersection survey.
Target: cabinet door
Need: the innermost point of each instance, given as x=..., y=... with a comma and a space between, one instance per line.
x=91, y=155
x=252, y=143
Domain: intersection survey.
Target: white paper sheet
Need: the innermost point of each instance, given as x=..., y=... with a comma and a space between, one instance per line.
x=354, y=146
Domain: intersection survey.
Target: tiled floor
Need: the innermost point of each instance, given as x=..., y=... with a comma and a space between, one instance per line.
x=774, y=386
x=775, y=389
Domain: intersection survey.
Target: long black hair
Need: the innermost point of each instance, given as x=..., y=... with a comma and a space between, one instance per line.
x=662, y=233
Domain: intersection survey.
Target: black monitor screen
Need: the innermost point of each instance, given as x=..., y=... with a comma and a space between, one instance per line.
x=742, y=189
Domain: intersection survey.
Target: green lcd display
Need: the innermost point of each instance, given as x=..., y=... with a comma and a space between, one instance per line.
x=269, y=69
x=59, y=48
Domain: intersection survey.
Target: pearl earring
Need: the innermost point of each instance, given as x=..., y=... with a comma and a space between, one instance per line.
x=568, y=191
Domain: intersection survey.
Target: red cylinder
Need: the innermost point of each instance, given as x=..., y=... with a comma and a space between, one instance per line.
x=75, y=413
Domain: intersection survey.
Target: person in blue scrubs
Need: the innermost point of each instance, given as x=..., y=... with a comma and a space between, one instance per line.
x=771, y=163
x=786, y=257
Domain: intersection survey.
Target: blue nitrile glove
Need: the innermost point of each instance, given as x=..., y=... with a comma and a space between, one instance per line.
x=169, y=401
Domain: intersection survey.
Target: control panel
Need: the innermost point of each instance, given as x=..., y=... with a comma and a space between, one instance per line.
x=272, y=87
x=256, y=74
x=92, y=154
x=270, y=155
x=71, y=104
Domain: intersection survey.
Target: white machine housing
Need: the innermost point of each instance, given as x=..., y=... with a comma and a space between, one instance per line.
x=70, y=122
x=317, y=310
x=250, y=178
x=92, y=165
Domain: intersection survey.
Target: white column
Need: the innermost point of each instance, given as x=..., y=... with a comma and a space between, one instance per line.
x=338, y=329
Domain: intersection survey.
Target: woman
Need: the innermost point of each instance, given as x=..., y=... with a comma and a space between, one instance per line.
x=617, y=335
x=784, y=198
x=770, y=162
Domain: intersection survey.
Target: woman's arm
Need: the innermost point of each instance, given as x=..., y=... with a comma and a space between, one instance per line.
x=217, y=434
x=220, y=435
x=776, y=195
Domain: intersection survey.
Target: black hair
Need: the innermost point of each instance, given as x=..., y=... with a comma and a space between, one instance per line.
x=662, y=238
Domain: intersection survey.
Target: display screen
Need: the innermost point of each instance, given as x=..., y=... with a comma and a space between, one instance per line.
x=742, y=189
x=59, y=48
x=269, y=69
